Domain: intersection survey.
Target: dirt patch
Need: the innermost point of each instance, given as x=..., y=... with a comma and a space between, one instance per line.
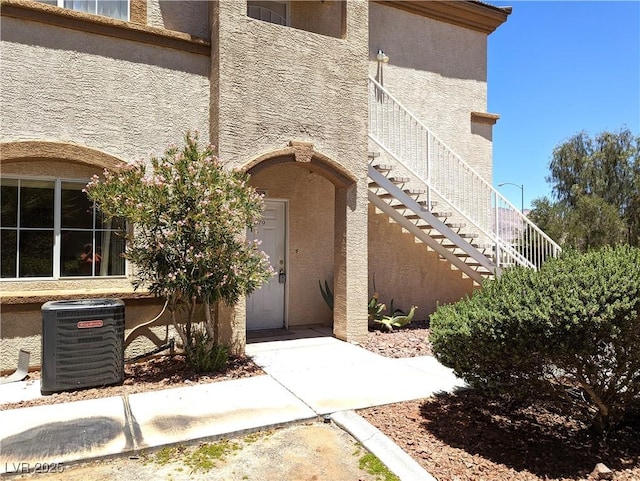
x=313, y=451
x=410, y=341
x=467, y=436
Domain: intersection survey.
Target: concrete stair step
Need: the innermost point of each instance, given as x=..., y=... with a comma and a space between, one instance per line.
x=393, y=180
x=406, y=191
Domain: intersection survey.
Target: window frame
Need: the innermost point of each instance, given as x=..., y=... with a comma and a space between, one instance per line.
x=57, y=233
x=285, y=3
x=60, y=4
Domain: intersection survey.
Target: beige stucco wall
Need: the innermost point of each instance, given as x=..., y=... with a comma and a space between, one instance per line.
x=408, y=272
x=21, y=325
x=270, y=85
x=188, y=16
x=277, y=84
x=125, y=98
x=439, y=72
x=310, y=238
x=119, y=97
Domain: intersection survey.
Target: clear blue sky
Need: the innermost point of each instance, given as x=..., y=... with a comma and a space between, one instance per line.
x=557, y=68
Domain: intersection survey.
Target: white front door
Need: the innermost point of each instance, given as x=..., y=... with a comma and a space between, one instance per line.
x=265, y=307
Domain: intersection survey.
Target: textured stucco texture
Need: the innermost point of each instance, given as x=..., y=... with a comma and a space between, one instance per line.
x=125, y=98
x=439, y=72
x=278, y=84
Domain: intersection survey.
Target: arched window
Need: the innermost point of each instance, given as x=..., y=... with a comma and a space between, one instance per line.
x=271, y=11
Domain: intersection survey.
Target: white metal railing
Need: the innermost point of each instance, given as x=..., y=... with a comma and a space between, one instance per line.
x=514, y=238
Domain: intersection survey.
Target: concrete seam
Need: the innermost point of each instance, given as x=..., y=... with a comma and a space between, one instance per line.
x=294, y=394
x=132, y=432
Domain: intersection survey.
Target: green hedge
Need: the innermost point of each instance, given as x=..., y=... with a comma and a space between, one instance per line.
x=571, y=329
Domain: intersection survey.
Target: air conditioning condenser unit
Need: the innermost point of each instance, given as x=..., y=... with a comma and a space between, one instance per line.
x=82, y=344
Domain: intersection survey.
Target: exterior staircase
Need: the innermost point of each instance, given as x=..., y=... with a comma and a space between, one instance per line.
x=418, y=185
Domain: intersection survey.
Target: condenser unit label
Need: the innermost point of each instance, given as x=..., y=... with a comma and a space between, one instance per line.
x=90, y=324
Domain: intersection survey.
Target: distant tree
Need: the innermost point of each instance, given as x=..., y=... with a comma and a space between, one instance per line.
x=596, y=184
x=591, y=223
x=594, y=223
x=550, y=217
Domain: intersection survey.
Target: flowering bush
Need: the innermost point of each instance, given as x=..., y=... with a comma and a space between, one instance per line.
x=189, y=215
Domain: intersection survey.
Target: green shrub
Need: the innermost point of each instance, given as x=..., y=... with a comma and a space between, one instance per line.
x=570, y=330
x=204, y=355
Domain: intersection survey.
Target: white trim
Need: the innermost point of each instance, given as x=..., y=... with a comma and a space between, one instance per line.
x=57, y=232
x=60, y=4
x=285, y=310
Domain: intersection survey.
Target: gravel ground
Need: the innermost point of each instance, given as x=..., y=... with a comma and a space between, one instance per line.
x=459, y=437
x=468, y=436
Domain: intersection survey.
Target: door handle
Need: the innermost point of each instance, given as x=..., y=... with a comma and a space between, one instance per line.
x=282, y=276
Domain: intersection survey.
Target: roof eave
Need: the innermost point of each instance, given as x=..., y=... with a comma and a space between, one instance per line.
x=475, y=15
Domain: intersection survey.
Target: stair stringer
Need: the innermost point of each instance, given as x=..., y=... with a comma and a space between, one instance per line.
x=434, y=222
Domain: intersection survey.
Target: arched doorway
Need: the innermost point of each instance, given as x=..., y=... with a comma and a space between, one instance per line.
x=316, y=196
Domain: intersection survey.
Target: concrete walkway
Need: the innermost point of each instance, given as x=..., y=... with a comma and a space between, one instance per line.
x=306, y=378
x=329, y=375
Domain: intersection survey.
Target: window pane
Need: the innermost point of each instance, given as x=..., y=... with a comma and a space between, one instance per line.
x=114, y=8
x=8, y=202
x=77, y=209
x=268, y=11
x=76, y=256
x=88, y=6
x=117, y=223
x=36, y=203
x=8, y=252
x=111, y=246
x=36, y=254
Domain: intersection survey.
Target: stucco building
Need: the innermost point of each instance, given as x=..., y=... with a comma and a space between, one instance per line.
x=307, y=96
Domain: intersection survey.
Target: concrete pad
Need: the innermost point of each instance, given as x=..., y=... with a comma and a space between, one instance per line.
x=359, y=386
x=331, y=375
x=206, y=410
x=443, y=377
x=292, y=333
x=279, y=344
x=62, y=432
x=308, y=354
x=14, y=392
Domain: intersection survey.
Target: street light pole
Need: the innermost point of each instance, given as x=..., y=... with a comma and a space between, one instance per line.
x=519, y=186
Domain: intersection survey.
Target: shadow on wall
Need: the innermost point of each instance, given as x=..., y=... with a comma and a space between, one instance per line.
x=418, y=43
x=185, y=16
x=54, y=38
x=407, y=272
